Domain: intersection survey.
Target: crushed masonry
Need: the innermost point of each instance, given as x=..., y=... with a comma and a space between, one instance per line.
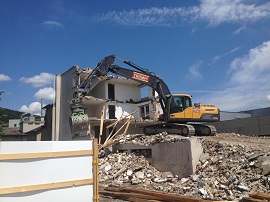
x=226, y=171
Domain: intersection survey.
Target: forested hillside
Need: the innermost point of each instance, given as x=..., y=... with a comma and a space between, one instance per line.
x=7, y=114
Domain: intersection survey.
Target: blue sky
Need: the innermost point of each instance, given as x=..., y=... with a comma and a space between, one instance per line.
x=217, y=51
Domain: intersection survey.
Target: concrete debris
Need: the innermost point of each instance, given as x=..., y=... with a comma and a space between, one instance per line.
x=225, y=172
x=146, y=140
x=116, y=101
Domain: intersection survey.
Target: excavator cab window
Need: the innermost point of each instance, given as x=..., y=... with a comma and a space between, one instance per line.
x=188, y=102
x=177, y=104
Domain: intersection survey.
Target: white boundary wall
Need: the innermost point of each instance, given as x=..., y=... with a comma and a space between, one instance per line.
x=46, y=171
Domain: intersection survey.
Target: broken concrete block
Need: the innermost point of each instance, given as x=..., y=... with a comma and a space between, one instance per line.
x=265, y=168
x=108, y=167
x=129, y=172
x=242, y=187
x=140, y=175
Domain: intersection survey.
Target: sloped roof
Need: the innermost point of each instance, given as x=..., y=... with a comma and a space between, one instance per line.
x=12, y=131
x=36, y=129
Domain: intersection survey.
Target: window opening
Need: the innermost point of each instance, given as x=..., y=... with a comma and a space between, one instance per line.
x=111, y=112
x=145, y=111
x=111, y=91
x=144, y=92
x=142, y=112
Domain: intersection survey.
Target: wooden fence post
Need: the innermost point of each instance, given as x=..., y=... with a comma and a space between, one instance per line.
x=95, y=170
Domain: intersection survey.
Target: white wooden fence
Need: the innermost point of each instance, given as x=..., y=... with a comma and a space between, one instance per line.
x=47, y=171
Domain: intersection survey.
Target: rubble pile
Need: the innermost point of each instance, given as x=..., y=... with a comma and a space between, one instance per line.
x=146, y=140
x=230, y=171
x=225, y=171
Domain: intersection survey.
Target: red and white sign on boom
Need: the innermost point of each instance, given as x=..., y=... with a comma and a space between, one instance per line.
x=141, y=77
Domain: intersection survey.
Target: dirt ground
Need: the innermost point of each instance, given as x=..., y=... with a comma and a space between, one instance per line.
x=262, y=143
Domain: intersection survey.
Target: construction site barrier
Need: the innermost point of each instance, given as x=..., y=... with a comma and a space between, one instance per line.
x=259, y=126
x=49, y=171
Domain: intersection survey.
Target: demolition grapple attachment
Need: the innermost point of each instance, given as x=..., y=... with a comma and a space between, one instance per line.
x=78, y=120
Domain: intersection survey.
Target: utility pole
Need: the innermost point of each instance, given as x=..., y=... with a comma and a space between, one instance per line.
x=41, y=114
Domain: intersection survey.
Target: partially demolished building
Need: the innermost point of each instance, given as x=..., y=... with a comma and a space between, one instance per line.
x=119, y=96
x=107, y=103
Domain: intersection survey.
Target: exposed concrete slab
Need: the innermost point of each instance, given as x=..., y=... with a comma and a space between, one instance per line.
x=180, y=158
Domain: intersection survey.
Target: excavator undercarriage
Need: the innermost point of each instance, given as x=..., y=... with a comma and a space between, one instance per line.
x=180, y=129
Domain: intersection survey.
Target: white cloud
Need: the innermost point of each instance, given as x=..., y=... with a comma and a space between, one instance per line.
x=248, y=86
x=252, y=68
x=45, y=94
x=33, y=108
x=53, y=24
x=240, y=29
x=39, y=80
x=218, y=57
x=232, y=11
x=194, y=71
x=151, y=16
x=4, y=77
x=209, y=11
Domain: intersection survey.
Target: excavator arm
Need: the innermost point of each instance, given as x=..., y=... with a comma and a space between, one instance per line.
x=79, y=120
x=107, y=65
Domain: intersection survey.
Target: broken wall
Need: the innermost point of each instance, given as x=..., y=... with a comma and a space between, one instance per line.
x=126, y=92
x=123, y=110
x=94, y=110
x=99, y=91
x=63, y=95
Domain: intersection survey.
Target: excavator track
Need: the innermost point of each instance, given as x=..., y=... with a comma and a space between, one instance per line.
x=171, y=128
x=180, y=129
x=204, y=130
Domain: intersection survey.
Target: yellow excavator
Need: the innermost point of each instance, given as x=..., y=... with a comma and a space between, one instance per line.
x=179, y=116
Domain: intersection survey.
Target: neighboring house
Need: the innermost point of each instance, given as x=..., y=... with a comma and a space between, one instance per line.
x=44, y=132
x=29, y=122
x=13, y=134
x=119, y=96
x=19, y=128
x=14, y=123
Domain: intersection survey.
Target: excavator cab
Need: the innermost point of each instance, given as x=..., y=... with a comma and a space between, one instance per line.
x=179, y=103
x=178, y=106
x=179, y=109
